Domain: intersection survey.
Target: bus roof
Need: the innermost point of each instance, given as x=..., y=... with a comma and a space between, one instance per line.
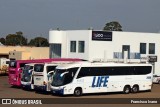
x=54, y=63
x=47, y=60
x=31, y=64
x=98, y=64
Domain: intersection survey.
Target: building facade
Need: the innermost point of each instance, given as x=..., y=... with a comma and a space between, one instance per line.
x=106, y=46
x=23, y=52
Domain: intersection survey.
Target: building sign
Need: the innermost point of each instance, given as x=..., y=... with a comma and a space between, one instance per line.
x=101, y=36
x=152, y=58
x=144, y=59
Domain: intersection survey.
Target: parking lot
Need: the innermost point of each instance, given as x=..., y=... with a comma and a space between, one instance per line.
x=7, y=91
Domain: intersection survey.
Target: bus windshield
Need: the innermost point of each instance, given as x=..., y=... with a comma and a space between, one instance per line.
x=63, y=76
x=27, y=67
x=38, y=67
x=27, y=72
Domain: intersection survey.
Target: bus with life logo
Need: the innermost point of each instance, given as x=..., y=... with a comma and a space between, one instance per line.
x=101, y=77
x=16, y=67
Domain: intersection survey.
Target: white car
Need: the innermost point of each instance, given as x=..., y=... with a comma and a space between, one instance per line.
x=156, y=79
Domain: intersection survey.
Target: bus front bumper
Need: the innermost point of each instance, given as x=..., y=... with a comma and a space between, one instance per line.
x=40, y=88
x=26, y=86
x=57, y=90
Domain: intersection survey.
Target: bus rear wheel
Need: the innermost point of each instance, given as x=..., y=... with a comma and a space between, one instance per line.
x=126, y=89
x=135, y=89
x=78, y=92
x=159, y=82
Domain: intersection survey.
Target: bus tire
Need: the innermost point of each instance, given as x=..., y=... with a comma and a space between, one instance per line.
x=159, y=82
x=126, y=89
x=78, y=92
x=135, y=89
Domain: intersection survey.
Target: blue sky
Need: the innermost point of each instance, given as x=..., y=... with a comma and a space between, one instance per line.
x=37, y=17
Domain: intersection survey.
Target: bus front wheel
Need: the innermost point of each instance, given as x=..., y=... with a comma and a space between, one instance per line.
x=78, y=92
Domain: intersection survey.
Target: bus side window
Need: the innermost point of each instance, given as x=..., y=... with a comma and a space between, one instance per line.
x=68, y=79
x=73, y=71
x=50, y=68
x=84, y=71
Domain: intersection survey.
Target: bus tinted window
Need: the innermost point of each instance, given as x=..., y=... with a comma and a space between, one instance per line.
x=83, y=72
x=126, y=70
x=143, y=70
x=28, y=67
x=50, y=68
x=12, y=64
x=93, y=71
x=63, y=76
x=73, y=71
x=69, y=76
x=38, y=67
x=22, y=65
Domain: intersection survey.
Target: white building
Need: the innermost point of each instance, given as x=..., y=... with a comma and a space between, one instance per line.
x=106, y=46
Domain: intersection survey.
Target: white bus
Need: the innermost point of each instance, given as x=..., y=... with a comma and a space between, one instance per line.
x=86, y=77
x=42, y=75
x=27, y=76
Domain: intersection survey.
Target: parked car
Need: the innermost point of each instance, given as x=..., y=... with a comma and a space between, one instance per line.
x=156, y=78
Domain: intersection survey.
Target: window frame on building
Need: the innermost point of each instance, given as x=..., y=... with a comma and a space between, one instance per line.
x=143, y=48
x=55, y=50
x=73, y=44
x=81, y=46
x=152, y=47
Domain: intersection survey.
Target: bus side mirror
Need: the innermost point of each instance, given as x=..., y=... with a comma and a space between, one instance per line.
x=30, y=71
x=48, y=75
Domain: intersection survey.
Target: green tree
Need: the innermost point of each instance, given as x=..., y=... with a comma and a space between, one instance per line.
x=2, y=40
x=16, y=39
x=39, y=42
x=113, y=26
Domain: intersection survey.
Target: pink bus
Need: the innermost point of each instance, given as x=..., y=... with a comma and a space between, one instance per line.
x=16, y=66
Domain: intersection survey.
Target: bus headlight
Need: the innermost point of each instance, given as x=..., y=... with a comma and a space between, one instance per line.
x=62, y=88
